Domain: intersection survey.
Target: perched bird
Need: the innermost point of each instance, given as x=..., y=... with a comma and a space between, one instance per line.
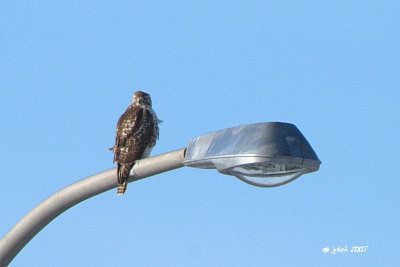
x=135, y=137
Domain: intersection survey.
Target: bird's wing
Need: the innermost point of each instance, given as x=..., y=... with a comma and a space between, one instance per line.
x=134, y=132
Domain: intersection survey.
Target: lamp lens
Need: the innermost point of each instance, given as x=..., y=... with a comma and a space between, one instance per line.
x=266, y=174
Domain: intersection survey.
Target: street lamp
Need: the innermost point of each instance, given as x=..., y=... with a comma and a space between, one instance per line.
x=262, y=154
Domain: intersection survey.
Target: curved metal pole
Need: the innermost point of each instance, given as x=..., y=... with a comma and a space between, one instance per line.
x=31, y=224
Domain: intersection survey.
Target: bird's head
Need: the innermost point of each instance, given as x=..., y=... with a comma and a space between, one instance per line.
x=141, y=98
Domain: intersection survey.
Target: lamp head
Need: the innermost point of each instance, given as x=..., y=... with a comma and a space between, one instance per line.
x=262, y=154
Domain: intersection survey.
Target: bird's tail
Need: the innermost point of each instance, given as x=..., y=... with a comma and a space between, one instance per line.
x=123, y=171
x=121, y=188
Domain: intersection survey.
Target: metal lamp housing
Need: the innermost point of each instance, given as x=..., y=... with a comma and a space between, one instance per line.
x=263, y=154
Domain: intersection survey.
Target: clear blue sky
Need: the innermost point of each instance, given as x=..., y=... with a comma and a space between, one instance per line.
x=68, y=70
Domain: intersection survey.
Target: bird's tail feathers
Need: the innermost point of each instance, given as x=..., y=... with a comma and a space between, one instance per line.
x=123, y=171
x=121, y=188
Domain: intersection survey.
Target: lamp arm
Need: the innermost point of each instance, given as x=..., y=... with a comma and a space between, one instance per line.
x=34, y=221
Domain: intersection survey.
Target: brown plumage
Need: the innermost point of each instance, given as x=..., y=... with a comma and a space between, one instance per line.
x=136, y=135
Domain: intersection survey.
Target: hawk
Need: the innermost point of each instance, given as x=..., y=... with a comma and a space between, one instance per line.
x=135, y=137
